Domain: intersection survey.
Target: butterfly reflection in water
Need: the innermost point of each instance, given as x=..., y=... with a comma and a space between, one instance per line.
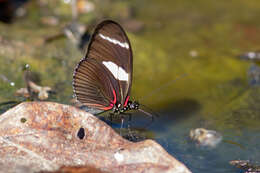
x=102, y=79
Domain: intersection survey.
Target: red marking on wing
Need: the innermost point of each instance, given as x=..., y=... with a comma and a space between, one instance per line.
x=126, y=100
x=113, y=102
x=114, y=93
x=108, y=108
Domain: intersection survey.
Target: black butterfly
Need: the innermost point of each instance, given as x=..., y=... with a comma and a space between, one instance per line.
x=102, y=80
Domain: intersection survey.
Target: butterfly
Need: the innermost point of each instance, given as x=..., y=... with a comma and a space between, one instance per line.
x=102, y=79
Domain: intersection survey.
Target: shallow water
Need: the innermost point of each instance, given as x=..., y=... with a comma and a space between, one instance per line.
x=215, y=93
x=185, y=69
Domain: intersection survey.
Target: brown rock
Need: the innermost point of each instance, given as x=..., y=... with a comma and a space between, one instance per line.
x=246, y=165
x=205, y=138
x=41, y=90
x=50, y=20
x=76, y=169
x=44, y=136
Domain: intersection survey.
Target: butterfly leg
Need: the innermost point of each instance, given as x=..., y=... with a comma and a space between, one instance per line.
x=129, y=127
x=123, y=116
x=129, y=121
x=111, y=116
x=122, y=124
x=130, y=135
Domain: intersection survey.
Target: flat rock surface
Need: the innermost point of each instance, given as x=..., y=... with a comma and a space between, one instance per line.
x=43, y=136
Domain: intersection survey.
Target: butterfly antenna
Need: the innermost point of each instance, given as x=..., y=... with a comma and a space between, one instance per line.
x=150, y=112
x=164, y=86
x=146, y=113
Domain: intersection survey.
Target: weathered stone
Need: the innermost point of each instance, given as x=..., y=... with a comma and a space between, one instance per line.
x=43, y=136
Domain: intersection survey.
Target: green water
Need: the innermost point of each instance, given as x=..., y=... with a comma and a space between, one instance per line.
x=215, y=94
x=209, y=90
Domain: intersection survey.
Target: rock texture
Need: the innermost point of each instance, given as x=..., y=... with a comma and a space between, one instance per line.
x=44, y=136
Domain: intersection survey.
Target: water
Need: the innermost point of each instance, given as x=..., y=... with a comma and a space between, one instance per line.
x=215, y=94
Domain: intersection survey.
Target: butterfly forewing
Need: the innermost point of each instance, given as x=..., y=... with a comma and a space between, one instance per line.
x=110, y=45
x=106, y=71
x=89, y=84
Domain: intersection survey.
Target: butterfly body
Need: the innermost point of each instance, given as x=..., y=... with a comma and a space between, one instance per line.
x=131, y=105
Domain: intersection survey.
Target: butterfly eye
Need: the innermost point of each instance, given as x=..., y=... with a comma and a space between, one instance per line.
x=136, y=105
x=132, y=106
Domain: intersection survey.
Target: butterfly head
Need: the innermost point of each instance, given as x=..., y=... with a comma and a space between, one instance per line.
x=133, y=105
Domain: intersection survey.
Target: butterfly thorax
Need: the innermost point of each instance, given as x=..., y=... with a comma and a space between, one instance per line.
x=119, y=108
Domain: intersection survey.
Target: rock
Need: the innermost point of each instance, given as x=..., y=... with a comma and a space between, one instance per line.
x=31, y=87
x=41, y=90
x=76, y=169
x=44, y=136
x=193, y=53
x=205, y=138
x=254, y=56
x=85, y=6
x=246, y=165
x=50, y=20
x=9, y=9
x=254, y=75
x=23, y=92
